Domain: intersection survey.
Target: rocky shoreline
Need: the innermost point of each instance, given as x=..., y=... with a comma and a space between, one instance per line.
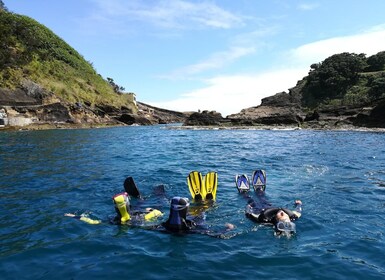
x=38, y=109
x=285, y=110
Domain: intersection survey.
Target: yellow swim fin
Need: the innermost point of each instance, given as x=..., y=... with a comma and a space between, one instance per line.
x=153, y=214
x=210, y=186
x=194, y=182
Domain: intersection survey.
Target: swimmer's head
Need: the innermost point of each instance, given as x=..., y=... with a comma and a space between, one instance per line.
x=282, y=216
x=285, y=229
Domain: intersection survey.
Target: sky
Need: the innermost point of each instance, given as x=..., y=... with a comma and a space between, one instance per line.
x=217, y=55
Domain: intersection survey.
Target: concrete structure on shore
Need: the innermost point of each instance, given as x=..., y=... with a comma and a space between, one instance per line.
x=3, y=118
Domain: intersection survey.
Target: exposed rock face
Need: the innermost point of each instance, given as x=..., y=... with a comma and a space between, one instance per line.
x=280, y=109
x=160, y=116
x=131, y=119
x=205, y=118
x=285, y=109
x=32, y=104
x=268, y=115
x=371, y=117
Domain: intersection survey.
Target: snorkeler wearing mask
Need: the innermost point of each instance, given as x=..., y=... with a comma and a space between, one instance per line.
x=125, y=215
x=179, y=222
x=261, y=211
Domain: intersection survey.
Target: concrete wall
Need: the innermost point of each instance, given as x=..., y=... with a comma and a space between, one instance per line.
x=19, y=121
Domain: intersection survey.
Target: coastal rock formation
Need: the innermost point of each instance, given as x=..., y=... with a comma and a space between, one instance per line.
x=275, y=112
x=32, y=105
x=157, y=115
x=205, y=118
x=284, y=109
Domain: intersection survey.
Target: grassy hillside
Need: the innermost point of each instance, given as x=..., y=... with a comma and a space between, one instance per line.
x=29, y=50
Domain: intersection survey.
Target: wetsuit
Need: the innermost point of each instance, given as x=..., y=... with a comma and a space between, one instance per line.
x=179, y=223
x=261, y=211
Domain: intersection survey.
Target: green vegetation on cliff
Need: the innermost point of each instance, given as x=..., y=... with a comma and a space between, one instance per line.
x=345, y=79
x=30, y=51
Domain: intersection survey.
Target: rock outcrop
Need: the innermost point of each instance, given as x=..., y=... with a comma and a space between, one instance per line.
x=285, y=109
x=157, y=115
x=205, y=118
x=32, y=105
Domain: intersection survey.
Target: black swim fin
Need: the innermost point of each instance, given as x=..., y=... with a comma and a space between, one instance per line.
x=131, y=188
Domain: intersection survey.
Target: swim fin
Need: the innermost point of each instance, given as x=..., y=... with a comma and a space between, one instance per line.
x=194, y=182
x=210, y=186
x=242, y=183
x=131, y=188
x=259, y=180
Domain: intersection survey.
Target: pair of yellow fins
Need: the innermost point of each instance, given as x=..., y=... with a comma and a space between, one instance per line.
x=203, y=188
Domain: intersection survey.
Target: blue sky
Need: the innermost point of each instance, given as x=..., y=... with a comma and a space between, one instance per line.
x=209, y=54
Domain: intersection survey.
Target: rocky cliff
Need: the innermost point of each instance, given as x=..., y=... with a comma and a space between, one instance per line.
x=31, y=106
x=344, y=91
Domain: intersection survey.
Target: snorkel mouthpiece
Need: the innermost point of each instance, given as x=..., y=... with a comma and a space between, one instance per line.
x=287, y=227
x=122, y=204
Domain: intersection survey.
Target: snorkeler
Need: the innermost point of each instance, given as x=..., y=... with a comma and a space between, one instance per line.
x=178, y=222
x=261, y=211
x=124, y=212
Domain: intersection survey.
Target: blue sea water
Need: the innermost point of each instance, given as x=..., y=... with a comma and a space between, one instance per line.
x=338, y=175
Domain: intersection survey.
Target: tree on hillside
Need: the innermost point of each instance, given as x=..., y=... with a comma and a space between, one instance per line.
x=2, y=6
x=118, y=89
x=377, y=87
x=331, y=78
x=376, y=62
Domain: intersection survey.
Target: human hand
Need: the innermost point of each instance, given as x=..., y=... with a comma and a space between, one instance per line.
x=69, y=215
x=229, y=226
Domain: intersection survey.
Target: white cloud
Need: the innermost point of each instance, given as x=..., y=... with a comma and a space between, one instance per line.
x=308, y=6
x=370, y=43
x=215, y=61
x=169, y=13
x=230, y=94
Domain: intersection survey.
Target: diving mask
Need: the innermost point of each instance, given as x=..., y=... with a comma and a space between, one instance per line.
x=286, y=227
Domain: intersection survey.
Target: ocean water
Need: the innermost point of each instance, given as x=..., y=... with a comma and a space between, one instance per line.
x=338, y=175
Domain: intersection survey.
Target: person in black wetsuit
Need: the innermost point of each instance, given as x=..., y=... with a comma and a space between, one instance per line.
x=261, y=211
x=178, y=222
x=124, y=213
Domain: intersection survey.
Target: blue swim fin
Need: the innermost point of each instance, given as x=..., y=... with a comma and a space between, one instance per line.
x=210, y=186
x=259, y=180
x=242, y=183
x=194, y=182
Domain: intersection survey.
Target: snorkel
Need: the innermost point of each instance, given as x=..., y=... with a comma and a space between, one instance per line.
x=178, y=212
x=122, y=205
